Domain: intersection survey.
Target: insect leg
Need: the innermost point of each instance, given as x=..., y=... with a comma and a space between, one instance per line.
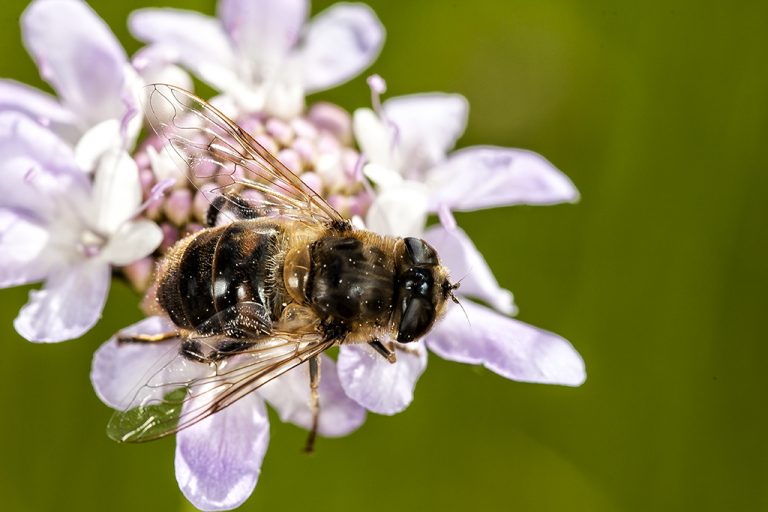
x=407, y=348
x=145, y=338
x=387, y=353
x=314, y=401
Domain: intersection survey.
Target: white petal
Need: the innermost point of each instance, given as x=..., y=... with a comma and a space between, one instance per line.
x=78, y=54
x=154, y=72
x=383, y=177
x=376, y=384
x=466, y=264
x=68, y=306
x=195, y=41
x=375, y=138
x=428, y=126
x=263, y=31
x=340, y=42
x=116, y=191
x=167, y=164
x=399, y=210
x=284, y=96
x=486, y=177
x=22, y=244
x=132, y=241
x=511, y=348
x=119, y=370
x=218, y=460
x=290, y=395
x=97, y=141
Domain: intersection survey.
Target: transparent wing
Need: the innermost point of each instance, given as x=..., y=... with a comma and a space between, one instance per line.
x=215, y=148
x=179, y=393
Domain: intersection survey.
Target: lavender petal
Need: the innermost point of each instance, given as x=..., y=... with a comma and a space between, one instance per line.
x=428, y=126
x=218, y=460
x=120, y=369
x=289, y=394
x=78, y=54
x=22, y=244
x=195, y=41
x=69, y=304
x=34, y=103
x=506, y=346
x=376, y=384
x=340, y=42
x=486, y=177
x=467, y=265
x=263, y=31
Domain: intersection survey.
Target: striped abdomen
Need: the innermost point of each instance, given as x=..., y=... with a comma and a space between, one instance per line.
x=215, y=269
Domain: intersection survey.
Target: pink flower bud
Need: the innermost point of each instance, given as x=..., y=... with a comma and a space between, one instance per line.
x=313, y=181
x=139, y=273
x=178, y=206
x=333, y=119
x=291, y=159
x=170, y=236
x=306, y=150
x=268, y=142
x=280, y=131
x=303, y=128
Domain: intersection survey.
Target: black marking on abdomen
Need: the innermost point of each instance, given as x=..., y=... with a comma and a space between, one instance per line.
x=229, y=347
x=240, y=266
x=204, y=350
x=195, y=279
x=233, y=204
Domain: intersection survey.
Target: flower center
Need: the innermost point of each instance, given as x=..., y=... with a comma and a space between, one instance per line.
x=317, y=146
x=91, y=243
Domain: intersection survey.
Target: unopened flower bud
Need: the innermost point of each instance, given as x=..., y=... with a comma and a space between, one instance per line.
x=290, y=158
x=170, y=236
x=139, y=273
x=333, y=119
x=280, y=131
x=178, y=206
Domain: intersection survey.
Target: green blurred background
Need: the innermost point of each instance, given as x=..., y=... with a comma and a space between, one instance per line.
x=657, y=111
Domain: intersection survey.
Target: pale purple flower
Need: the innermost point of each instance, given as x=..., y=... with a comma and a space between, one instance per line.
x=218, y=460
x=79, y=56
x=405, y=141
x=59, y=227
x=81, y=205
x=263, y=53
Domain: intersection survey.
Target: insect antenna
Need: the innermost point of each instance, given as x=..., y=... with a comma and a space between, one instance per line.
x=449, y=289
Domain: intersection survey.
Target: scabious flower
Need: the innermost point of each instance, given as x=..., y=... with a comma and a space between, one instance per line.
x=259, y=52
x=78, y=55
x=59, y=227
x=75, y=189
x=218, y=460
x=82, y=206
x=406, y=141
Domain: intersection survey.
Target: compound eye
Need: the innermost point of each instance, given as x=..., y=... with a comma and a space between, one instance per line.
x=420, y=252
x=418, y=317
x=417, y=282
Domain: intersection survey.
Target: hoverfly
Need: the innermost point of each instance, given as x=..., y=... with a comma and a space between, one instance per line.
x=285, y=280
